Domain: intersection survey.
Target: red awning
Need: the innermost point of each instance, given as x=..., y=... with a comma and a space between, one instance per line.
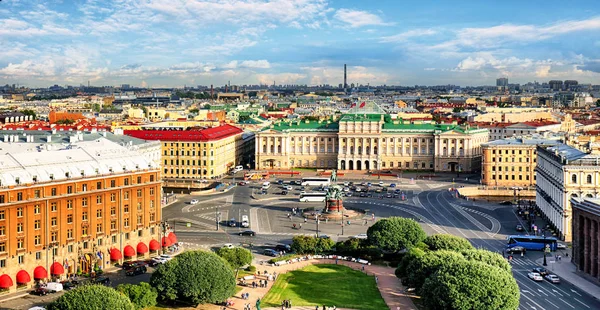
x=172, y=237
x=40, y=273
x=154, y=245
x=57, y=269
x=142, y=248
x=129, y=251
x=23, y=277
x=5, y=281
x=115, y=254
x=166, y=242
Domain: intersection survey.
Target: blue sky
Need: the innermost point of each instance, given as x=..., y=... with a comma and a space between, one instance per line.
x=160, y=43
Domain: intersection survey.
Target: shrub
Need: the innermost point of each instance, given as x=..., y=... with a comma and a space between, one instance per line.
x=395, y=234
x=141, y=295
x=92, y=297
x=447, y=242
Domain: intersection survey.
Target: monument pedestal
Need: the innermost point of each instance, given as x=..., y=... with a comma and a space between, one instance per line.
x=334, y=205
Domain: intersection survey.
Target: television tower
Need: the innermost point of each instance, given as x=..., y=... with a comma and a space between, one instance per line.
x=345, y=81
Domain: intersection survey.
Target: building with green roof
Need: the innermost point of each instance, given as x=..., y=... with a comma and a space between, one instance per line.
x=366, y=138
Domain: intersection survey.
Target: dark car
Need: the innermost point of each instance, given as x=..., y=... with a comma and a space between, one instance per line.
x=81, y=281
x=541, y=271
x=280, y=182
x=40, y=291
x=151, y=263
x=284, y=193
x=283, y=247
x=369, y=194
x=135, y=271
x=67, y=285
x=232, y=222
x=516, y=249
x=271, y=252
x=519, y=227
x=102, y=280
x=250, y=233
x=132, y=264
x=389, y=195
x=363, y=194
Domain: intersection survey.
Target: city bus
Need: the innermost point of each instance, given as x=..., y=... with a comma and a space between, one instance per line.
x=313, y=197
x=315, y=182
x=531, y=242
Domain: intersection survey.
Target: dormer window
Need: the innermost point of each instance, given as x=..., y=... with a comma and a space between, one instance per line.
x=17, y=180
x=67, y=175
x=34, y=178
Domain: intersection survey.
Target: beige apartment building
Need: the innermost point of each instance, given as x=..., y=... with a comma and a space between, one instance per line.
x=366, y=139
x=511, y=162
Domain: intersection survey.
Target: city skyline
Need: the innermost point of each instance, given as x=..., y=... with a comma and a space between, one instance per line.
x=175, y=43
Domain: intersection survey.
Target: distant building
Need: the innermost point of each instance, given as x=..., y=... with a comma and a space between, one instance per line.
x=511, y=162
x=586, y=232
x=502, y=82
x=563, y=173
x=556, y=85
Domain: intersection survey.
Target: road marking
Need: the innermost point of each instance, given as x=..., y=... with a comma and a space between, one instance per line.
x=254, y=219
x=577, y=300
x=555, y=291
x=542, y=292
x=566, y=303
x=472, y=219
x=495, y=223
x=574, y=291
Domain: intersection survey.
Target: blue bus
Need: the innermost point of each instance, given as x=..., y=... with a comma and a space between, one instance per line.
x=531, y=242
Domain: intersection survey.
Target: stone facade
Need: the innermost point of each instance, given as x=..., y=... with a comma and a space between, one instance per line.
x=586, y=236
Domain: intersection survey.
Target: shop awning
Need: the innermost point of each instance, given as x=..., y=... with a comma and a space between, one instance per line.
x=5, y=281
x=142, y=248
x=57, y=269
x=40, y=273
x=23, y=277
x=166, y=242
x=154, y=245
x=172, y=237
x=129, y=251
x=115, y=254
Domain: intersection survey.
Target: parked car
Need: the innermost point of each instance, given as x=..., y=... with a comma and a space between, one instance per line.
x=194, y=201
x=67, y=285
x=228, y=245
x=133, y=264
x=104, y=280
x=288, y=187
x=271, y=252
x=535, y=276
x=552, y=278
x=541, y=271
x=346, y=184
x=135, y=271
x=158, y=261
x=381, y=183
x=54, y=287
x=243, y=183
x=349, y=194
x=393, y=185
x=389, y=195
x=516, y=249
x=40, y=291
x=232, y=222
x=166, y=257
x=283, y=193
x=283, y=247
x=363, y=194
x=360, y=236
x=280, y=182
x=561, y=246
x=250, y=233
x=346, y=189
x=519, y=227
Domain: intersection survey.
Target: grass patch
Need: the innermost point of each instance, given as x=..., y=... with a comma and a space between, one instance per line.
x=327, y=285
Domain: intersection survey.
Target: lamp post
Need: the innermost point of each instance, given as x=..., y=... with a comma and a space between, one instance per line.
x=545, y=247
x=317, y=219
x=217, y=213
x=342, y=221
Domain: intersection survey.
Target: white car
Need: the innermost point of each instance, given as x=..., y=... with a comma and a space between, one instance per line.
x=346, y=184
x=561, y=246
x=194, y=201
x=288, y=188
x=159, y=260
x=360, y=236
x=552, y=278
x=228, y=245
x=381, y=183
x=166, y=257
x=535, y=276
x=346, y=189
x=358, y=189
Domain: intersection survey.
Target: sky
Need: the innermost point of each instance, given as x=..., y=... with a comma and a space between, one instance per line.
x=172, y=43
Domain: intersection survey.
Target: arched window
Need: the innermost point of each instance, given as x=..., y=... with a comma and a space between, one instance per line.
x=574, y=178
x=589, y=179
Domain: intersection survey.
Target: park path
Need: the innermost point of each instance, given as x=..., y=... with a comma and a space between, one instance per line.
x=389, y=285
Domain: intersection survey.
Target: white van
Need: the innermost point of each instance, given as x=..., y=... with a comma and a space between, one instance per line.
x=266, y=185
x=237, y=169
x=245, y=221
x=54, y=287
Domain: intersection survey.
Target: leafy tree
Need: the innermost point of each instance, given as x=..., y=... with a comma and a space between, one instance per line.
x=142, y=295
x=29, y=112
x=395, y=233
x=470, y=285
x=236, y=257
x=423, y=267
x=194, y=276
x=487, y=257
x=324, y=245
x=92, y=297
x=447, y=242
x=411, y=255
x=194, y=111
x=304, y=244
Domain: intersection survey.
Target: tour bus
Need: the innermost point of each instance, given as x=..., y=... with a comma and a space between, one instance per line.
x=531, y=242
x=313, y=197
x=315, y=182
x=266, y=185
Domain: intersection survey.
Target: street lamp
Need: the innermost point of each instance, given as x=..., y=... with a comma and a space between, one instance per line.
x=545, y=245
x=317, y=219
x=342, y=221
x=217, y=215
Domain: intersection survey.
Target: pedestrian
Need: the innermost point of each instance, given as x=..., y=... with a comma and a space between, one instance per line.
x=521, y=254
x=301, y=225
x=305, y=220
x=363, y=268
x=289, y=304
x=376, y=280
x=324, y=307
x=317, y=307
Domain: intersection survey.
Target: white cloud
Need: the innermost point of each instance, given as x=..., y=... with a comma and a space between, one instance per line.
x=357, y=18
x=19, y=28
x=256, y=64
x=402, y=37
x=280, y=78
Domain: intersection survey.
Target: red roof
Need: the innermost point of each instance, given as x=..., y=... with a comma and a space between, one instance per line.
x=540, y=123
x=209, y=134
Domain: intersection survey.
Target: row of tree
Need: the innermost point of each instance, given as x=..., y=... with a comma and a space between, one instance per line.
x=193, y=277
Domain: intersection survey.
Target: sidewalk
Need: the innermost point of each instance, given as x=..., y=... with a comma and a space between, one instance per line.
x=390, y=287
x=568, y=272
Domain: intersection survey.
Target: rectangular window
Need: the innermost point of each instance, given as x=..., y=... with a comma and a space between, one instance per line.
x=139, y=193
x=19, y=196
x=126, y=195
x=126, y=209
x=99, y=199
x=139, y=207
x=126, y=181
x=38, y=255
x=53, y=191
x=36, y=209
x=69, y=233
x=20, y=244
x=21, y=259
x=152, y=178
x=98, y=228
x=151, y=204
x=113, y=225
x=84, y=216
x=98, y=185
x=70, y=248
x=69, y=218
x=139, y=180
x=37, y=224
x=2, y=199
x=112, y=183
x=140, y=219
x=2, y=230
x=84, y=232
x=19, y=227
x=69, y=204
x=113, y=210
x=19, y=212
x=113, y=197
x=99, y=213
x=36, y=193
x=84, y=187
x=126, y=222
x=37, y=240
x=69, y=189
x=54, y=221
x=151, y=191
x=84, y=202
x=2, y=248
x=53, y=206
x=2, y=263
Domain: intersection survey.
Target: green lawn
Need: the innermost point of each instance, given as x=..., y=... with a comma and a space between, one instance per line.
x=327, y=285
